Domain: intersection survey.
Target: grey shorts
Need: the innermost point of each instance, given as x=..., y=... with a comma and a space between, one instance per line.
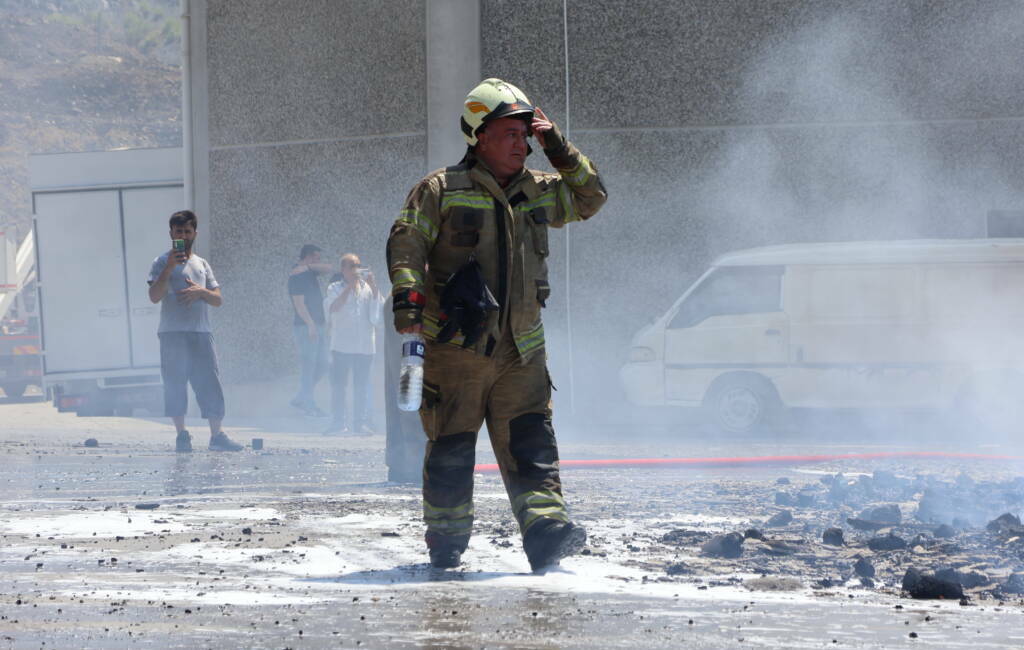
x=189, y=357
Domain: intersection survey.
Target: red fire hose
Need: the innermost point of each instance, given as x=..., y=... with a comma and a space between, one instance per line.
x=736, y=461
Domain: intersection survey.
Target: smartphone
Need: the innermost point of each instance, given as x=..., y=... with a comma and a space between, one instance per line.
x=363, y=272
x=178, y=245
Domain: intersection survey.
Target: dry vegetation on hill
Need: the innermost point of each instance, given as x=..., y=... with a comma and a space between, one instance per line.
x=83, y=75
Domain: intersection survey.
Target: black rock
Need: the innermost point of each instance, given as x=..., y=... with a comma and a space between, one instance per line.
x=147, y=506
x=782, y=480
x=677, y=569
x=784, y=499
x=945, y=531
x=867, y=582
x=863, y=524
x=729, y=545
x=247, y=531
x=888, y=542
x=1014, y=584
x=92, y=442
x=919, y=585
x=684, y=537
x=887, y=514
x=783, y=518
x=864, y=568
x=753, y=533
x=967, y=580
x=777, y=547
x=1003, y=523
x=832, y=537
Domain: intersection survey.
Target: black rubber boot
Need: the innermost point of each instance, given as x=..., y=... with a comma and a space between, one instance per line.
x=445, y=558
x=549, y=541
x=446, y=550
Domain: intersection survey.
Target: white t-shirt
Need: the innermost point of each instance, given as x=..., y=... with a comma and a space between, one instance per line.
x=352, y=327
x=176, y=316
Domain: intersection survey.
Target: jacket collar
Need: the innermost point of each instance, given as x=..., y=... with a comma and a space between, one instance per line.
x=481, y=173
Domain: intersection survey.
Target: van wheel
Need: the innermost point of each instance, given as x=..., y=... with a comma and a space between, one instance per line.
x=741, y=404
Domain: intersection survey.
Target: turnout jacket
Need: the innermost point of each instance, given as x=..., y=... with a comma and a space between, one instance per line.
x=460, y=212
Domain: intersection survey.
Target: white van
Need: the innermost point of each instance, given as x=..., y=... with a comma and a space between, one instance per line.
x=926, y=324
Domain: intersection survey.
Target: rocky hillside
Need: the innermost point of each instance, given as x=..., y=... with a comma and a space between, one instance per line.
x=83, y=75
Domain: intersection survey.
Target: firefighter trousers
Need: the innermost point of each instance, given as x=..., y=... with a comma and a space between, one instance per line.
x=462, y=390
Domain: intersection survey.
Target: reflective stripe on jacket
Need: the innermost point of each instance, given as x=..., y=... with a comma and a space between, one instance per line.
x=461, y=211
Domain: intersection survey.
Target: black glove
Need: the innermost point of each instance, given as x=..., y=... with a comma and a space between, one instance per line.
x=465, y=302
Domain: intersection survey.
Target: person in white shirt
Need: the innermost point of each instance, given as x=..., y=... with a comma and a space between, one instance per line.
x=353, y=308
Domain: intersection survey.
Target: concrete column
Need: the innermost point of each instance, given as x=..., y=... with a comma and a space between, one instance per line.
x=199, y=122
x=453, y=67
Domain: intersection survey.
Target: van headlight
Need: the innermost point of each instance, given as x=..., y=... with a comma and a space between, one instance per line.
x=642, y=354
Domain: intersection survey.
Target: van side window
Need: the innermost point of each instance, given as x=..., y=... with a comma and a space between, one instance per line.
x=732, y=290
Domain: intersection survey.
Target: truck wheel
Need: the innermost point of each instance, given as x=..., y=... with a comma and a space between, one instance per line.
x=15, y=390
x=741, y=404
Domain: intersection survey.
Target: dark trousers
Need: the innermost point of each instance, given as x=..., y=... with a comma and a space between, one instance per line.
x=359, y=366
x=461, y=391
x=189, y=357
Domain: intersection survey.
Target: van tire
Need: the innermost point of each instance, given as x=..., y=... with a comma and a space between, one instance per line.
x=742, y=403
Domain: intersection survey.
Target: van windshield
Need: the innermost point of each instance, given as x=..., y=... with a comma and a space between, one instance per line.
x=732, y=290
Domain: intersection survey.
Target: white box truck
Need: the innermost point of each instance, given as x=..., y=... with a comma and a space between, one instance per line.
x=100, y=220
x=914, y=325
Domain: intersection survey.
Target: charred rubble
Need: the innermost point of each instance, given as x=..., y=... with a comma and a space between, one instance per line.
x=921, y=537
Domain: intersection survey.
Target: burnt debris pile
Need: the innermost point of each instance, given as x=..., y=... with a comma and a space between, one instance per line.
x=921, y=536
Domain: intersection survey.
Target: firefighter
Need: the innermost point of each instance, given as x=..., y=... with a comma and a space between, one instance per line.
x=492, y=213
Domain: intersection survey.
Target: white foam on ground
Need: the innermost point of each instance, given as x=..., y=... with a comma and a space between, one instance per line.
x=702, y=521
x=255, y=514
x=108, y=523
x=351, y=552
x=353, y=555
x=191, y=596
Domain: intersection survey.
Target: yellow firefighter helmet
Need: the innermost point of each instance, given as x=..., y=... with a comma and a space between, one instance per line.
x=491, y=99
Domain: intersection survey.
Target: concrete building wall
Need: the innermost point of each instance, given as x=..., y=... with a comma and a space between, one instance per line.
x=316, y=127
x=717, y=124
x=727, y=124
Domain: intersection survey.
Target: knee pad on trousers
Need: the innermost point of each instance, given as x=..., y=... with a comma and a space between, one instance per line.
x=450, y=460
x=532, y=445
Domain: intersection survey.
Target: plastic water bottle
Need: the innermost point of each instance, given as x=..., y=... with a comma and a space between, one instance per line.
x=410, y=381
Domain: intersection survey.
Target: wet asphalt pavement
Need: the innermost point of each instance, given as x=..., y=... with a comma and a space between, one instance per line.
x=304, y=545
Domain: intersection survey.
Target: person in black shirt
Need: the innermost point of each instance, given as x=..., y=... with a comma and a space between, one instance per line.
x=309, y=325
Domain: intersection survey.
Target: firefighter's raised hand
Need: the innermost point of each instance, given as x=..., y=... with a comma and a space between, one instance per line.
x=540, y=126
